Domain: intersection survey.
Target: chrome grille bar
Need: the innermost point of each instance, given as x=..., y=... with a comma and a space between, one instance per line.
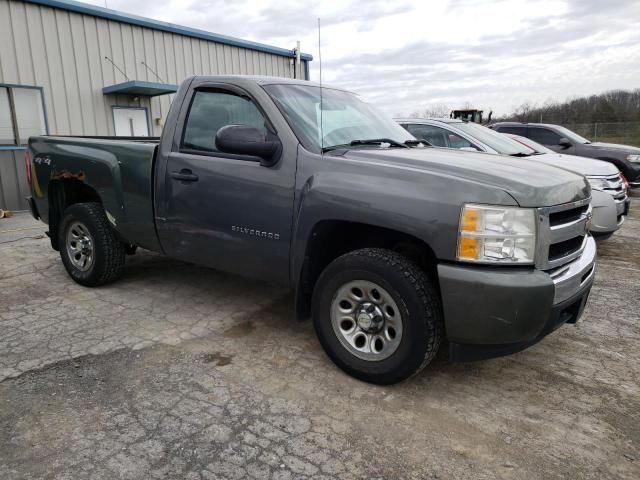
x=615, y=187
x=550, y=235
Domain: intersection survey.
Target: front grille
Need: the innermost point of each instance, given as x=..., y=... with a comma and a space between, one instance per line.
x=561, y=234
x=567, y=247
x=566, y=216
x=616, y=187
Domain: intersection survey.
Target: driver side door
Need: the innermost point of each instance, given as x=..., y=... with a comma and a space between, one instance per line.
x=222, y=210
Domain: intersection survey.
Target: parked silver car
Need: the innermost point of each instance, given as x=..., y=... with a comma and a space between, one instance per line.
x=609, y=191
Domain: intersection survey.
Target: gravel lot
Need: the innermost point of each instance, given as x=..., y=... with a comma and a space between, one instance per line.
x=182, y=372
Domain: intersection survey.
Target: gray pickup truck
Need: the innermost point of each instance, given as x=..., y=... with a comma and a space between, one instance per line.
x=390, y=247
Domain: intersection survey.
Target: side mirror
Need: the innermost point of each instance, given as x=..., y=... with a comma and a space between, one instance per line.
x=564, y=142
x=469, y=149
x=248, y=140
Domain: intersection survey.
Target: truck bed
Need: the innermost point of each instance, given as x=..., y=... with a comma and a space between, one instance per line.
x=119, y=169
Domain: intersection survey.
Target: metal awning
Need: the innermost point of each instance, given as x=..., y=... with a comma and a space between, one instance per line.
x=140, y=88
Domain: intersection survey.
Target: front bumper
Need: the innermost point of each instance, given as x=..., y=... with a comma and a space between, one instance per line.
x=608, y=213
x=494, y=311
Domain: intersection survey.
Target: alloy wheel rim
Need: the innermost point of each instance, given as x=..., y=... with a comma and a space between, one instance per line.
x=366, y=320
x=80, y=246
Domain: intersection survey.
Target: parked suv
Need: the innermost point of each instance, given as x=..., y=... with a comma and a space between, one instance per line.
x=608, y=191
x=562, y=140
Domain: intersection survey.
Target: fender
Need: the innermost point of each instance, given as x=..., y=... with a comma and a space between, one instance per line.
x=340, y=197
x=420, y=202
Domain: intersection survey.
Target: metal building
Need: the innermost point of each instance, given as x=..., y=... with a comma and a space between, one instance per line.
x=68, y=68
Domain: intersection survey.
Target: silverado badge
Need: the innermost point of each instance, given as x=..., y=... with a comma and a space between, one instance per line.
x=255, y=232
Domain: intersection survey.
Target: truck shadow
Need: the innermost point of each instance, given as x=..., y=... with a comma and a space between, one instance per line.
x=237, y=311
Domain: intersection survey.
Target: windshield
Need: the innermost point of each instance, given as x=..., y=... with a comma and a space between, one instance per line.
x=570, y=135
x=497, y=141
x=345, y=117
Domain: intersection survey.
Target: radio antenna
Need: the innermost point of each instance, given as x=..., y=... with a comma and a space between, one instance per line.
x=320, y=61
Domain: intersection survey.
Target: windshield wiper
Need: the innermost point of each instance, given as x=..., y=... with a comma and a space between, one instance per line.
x=521, y=154
x=378, y=141
x=415, y=143
x=369, y=141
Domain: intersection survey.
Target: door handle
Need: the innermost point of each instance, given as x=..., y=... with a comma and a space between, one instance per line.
x=184, y=175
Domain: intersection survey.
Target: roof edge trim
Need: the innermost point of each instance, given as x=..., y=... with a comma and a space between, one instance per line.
x=106, y=13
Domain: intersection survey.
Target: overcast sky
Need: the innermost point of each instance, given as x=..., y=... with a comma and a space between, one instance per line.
x=406, y=55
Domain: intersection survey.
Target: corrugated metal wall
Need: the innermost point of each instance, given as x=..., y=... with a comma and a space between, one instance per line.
x=64, y=52
x=13, y=180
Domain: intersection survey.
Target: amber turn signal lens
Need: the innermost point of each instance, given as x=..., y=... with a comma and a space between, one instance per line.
x=468, y=247
x=470, y=217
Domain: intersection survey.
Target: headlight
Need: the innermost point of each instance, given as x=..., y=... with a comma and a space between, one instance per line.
x=634, y=158
x=598, y=183
x=489, y=234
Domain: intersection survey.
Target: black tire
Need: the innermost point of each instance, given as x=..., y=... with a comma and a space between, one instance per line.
x=108, y=250
x=413, y=293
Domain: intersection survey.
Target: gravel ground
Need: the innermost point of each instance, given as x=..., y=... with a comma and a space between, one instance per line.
x=182, y=372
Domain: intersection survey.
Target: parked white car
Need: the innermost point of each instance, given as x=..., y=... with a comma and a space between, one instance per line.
x=609, y=190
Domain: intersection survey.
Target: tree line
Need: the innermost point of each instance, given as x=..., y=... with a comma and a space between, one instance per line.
x=609, y=107
x=613, y=106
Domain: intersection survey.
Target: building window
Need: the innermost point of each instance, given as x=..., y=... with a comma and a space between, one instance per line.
x=21, y=114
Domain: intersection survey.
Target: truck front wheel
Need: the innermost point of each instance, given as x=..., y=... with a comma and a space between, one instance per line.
x=377, y=315
x=90, y=250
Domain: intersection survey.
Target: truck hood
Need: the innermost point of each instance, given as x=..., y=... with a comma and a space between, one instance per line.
x=530, y=184
x=615, y=146
x=580, y=165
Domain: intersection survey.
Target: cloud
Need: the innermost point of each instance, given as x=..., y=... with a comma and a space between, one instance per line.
x=407, y=54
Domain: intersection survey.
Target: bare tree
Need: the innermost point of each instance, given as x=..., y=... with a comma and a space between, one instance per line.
x=435, y=110
x=613, y=106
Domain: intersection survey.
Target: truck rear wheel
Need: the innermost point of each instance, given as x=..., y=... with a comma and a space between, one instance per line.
x=89, y=248
x=377, y=315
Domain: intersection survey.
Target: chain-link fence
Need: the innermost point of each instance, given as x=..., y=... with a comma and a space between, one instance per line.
x=627, y=133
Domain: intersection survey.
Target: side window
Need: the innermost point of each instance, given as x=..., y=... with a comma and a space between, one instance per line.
x=436, y=136
x=210, y=111
x=456, y=141
x=522, y=131
x=544, y=136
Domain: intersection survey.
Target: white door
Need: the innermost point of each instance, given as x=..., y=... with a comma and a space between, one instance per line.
x=131, y=122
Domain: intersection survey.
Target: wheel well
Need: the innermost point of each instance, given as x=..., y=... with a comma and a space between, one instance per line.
x=62, y=194
x=333, y=238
